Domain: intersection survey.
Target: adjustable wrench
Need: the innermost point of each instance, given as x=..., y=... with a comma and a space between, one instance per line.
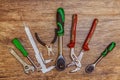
x=27, y=68
x=21, y=48
x=87, y=40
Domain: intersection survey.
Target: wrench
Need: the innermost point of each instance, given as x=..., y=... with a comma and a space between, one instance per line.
x=60, y=63
x=21, y=48
x=27, y=68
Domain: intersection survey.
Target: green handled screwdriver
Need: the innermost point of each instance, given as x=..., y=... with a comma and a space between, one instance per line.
x=91, y=67
x=20, y=47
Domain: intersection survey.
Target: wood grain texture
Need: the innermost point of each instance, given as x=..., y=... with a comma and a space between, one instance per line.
x=40, y=15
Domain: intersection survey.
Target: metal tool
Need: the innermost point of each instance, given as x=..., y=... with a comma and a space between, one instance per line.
x=27, y=68
x=91, y=67
x=85, y=45
x=49, y=47
x=38, y=54
x=20, y=47
x=71, y=45
x=60, y=63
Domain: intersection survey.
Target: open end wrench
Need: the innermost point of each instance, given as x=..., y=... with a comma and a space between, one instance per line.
x=71, y=45
x=27, y=68
x=87, y=40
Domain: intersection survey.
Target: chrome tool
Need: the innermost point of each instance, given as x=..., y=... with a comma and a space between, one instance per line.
x=38, y=54
x=20, y=47
x=27, y=68
x=48, y=46
x=87, y=40
x=60, y=63
x=91, y=67
x=71, y=45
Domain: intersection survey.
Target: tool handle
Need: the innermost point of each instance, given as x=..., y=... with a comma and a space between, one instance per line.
x=87, y=40
x=19, y=46
x=60, y=21
x=73, y=31
x=39, y=40
x=110, y=47
x=17, y=56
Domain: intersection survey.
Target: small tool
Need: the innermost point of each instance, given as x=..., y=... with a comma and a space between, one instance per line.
x=27, y=68
x=49, y=47
x=60, y=63
x=87, y=40
x=38, y=54
x=91, y=67
x=20, y=47
x=71, y=45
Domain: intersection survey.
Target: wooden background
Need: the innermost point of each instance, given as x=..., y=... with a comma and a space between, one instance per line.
x=40, y=15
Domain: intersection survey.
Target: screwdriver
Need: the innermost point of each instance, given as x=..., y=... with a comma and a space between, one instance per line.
x=20, y=47
x=91, y=67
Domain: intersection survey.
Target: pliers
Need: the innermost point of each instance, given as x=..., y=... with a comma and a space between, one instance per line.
x=71, y=45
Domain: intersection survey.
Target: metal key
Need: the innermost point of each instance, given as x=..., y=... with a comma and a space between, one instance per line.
x=27, y=68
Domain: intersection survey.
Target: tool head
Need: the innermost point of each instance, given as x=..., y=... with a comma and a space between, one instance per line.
x=28, y=68
x=44, y=70
x=49, y=49
x=89, y=68
x=60, y=65
x=75, y=70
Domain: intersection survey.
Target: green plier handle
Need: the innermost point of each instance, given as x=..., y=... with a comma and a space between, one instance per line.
x=60, y=21
x=108, y=49
x=20, y=47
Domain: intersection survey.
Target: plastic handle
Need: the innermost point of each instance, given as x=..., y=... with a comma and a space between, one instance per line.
x=60, y=21
x=110, y=47
x=19, y=46
x=73, y=32
x=85, y=45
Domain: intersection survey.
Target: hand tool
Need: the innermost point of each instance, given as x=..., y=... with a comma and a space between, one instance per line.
x=27, y=68
x=71, y=45
x=60, y=63
x=91, y=67
x=38, y=54
x=20, y=47
x=49, y=47
x=87, y=40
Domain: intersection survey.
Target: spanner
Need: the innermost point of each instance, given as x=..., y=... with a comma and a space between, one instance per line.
x=21, y=48
x=71, y=45
x=27, y=68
